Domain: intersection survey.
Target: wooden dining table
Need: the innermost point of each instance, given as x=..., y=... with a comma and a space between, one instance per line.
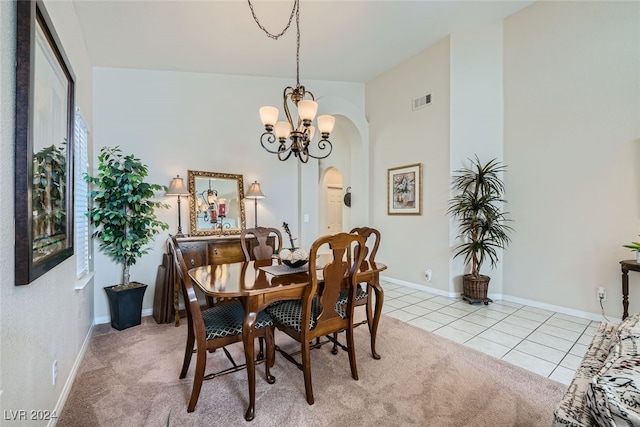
x=260, y=283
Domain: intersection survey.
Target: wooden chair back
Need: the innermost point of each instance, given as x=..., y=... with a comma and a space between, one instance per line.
x=262, y=250
x=335, y=276
x=372, y=242
x=192, y=306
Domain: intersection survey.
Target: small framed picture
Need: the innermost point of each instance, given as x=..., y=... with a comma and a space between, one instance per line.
x=404, y=190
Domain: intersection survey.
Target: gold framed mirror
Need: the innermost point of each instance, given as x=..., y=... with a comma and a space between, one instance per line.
x=215, y=204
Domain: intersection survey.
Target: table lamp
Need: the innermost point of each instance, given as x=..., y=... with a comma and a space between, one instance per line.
x=254, y=192
x=176, y=188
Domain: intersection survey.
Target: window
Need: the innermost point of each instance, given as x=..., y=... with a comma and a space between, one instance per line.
x=81, y=195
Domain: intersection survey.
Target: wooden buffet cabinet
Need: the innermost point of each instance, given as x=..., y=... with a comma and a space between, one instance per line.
x=203, y=250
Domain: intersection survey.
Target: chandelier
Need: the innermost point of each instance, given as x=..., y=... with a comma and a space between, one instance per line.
x=282, y=137
x=212, y=208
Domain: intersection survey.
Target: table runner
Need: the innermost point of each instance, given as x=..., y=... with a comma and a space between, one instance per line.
x=282, y=269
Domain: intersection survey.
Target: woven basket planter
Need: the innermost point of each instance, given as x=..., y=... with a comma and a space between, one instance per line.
x=475, y=290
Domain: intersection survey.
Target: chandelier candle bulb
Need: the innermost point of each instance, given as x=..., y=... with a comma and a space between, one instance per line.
x=282, y=130
x=269, y=115
x=307, y=110
x=326, y=124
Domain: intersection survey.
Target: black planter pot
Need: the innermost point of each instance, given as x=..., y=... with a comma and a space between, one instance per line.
x=125, y=306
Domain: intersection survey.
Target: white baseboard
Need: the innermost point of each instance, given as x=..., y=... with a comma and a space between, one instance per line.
x=559, y=309
x=419, y=287
x=71, y=378
x=551, y=307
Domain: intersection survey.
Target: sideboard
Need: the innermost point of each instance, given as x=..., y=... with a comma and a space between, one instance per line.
x=198, y=251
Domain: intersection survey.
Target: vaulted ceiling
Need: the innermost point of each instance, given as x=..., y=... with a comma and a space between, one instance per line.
x=340, y=40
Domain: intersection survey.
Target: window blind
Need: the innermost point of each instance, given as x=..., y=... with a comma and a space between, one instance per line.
x=81, y=195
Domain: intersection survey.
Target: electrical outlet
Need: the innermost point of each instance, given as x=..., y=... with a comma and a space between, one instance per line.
x=54, y=372
x=602, y=294
x=427, y=274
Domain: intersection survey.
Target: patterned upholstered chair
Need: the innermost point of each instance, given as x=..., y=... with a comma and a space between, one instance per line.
x=213, y=328
x=318, y=313
x=363, y=293
x=261, y=252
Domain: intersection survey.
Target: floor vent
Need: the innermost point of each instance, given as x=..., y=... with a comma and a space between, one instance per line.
x=421, y=102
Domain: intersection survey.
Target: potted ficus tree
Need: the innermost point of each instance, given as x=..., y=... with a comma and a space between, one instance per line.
x=478, y=208
x=125, y=223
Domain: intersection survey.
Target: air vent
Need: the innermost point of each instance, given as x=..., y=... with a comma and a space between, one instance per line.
x=421, y=102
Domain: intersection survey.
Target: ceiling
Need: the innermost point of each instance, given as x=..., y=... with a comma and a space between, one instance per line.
x=344, y=40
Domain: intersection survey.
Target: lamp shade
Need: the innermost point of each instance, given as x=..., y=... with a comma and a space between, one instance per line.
x=326, y=123
x=177, y=188
x=282, y=129
x=254, y=192
x=307, y=109
x=269, y=115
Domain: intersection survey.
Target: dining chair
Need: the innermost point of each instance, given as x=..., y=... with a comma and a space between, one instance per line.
x=214, y=328
x=364, y=296
x=318, y=312
x=262, y=250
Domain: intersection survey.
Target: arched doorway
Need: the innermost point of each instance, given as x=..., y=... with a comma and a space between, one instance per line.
x=350, y=158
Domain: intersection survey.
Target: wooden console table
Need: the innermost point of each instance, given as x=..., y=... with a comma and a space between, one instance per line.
x=627, y=265
x=205, y=250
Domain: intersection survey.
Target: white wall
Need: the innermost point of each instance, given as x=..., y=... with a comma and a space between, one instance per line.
x=572, y=141
x=48, y=319
x=189, y=121
x=398, y=137
x=476, y=120
x=570, y=89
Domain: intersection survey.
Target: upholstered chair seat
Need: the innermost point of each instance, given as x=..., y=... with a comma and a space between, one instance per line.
x=225, y=320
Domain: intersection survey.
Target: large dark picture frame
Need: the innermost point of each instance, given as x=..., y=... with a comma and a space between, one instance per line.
x=44, y=146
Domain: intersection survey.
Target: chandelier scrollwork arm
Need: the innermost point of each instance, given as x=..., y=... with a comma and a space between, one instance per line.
x=270, y=138
x=323, y=144
x=285, y=153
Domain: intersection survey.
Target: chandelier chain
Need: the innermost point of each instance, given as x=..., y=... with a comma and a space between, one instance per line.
x=298, y=44
x=295, y=11
x=274, y=36
x=290, y=138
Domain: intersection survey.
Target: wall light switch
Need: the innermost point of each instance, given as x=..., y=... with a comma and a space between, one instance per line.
x=305, y=218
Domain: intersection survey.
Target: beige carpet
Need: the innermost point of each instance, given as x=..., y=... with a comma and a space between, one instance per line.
x=130, y=378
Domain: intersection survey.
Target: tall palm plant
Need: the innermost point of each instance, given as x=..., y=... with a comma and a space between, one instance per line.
x=477, y=207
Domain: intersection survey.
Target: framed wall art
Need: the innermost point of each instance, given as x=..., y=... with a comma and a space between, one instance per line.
x=43, y=146
x=404, y=190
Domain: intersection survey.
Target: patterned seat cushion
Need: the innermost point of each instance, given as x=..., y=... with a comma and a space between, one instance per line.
x=344, y=295
x=613, y=395
x=572, y=409
x=225, y=320
x=289, y=313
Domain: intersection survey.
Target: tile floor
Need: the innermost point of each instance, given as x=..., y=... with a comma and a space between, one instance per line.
x=547, y=343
